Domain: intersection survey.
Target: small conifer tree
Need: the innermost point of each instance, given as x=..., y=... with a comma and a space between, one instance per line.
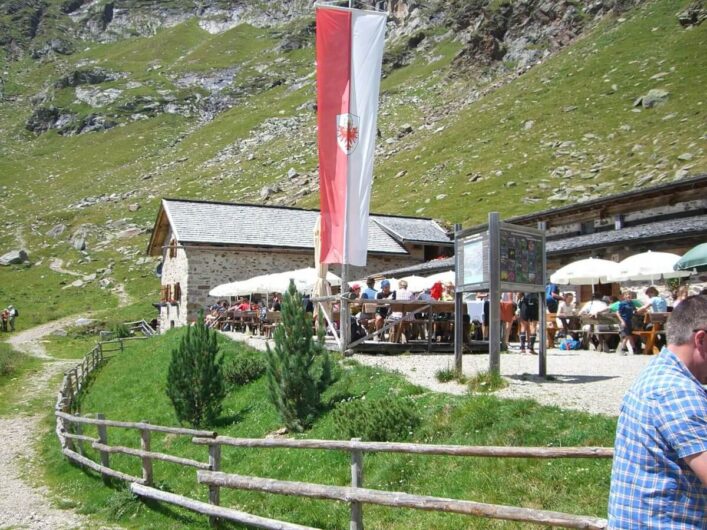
x=195, y=383
x=298, y=367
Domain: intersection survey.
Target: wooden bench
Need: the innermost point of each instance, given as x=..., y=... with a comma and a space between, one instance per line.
x=601, y=336
x=649, y=337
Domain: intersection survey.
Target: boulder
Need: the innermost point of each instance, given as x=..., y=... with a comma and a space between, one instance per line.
x=83, y=322
x=57, y=230
x=14, y=257
x=78, y=242
x=134, y=207
x=128, y=232
x=654, y=97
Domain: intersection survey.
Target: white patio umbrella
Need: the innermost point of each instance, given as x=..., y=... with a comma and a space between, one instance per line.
x=417, y=284
x=240, y=288
x=649, y=266
x=588, y=271
x=444, y=277
x=304, y=279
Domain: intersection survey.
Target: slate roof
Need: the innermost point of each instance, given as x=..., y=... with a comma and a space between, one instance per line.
x=659, y=230
x=267, y=226
x=696, y=183
x=421, y=269
x=412, y=229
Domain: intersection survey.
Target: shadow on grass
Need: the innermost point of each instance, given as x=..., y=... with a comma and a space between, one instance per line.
x=238, y=417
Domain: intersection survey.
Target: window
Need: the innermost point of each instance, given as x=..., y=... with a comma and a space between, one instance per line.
x=173, y=248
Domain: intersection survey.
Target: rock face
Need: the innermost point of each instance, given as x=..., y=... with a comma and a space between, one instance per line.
x=14, y=257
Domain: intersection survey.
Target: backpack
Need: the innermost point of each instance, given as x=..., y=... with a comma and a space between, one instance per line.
x=17, y=313
x=570, y=344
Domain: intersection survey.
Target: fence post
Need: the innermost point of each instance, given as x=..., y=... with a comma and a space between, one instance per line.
x=103, y=438
x=146, y=461
x=78, y=429
x=356, y=482
x=214, y=465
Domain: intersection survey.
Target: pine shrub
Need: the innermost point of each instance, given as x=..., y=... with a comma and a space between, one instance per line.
x=245, y=367
x=390, y=420
x=195, y=383
x=298, y=367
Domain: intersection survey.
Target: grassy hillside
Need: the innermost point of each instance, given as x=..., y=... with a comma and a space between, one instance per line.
x=131, y=387
x=564, y=131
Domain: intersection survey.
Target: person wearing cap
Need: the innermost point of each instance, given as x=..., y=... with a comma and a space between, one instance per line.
x=382, y=311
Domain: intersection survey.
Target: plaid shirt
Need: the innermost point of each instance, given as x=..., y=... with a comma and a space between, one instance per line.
x=663, y=420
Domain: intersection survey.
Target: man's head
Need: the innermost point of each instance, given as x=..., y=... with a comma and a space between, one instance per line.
x=402, y=284
x=627, y=294
x=687, y=334
x=569, y=297
x=651, y=291
x=356, y=289
x=385, y=286
x=370, y=282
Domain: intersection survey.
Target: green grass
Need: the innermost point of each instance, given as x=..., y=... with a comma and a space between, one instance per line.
x=15, y=368
x=487, y=382
x=131, y=387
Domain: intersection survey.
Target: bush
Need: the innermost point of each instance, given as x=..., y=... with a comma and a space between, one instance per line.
x=380, y=421
x=195, y=382
x=245, y=367
x=298, y=367
x=120, y=331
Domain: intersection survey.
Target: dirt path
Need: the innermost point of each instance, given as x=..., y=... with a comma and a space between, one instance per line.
x=21, y=504
x=57, y=265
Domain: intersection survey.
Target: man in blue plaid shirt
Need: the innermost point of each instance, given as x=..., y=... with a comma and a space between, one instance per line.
x=659, y=474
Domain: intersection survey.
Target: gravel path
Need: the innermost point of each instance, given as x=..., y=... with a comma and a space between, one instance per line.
x=580, y=380
x=21, y=504
x=588, y=381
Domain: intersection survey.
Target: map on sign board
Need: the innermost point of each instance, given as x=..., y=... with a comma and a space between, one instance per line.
x=521, y=258
x=474, y=260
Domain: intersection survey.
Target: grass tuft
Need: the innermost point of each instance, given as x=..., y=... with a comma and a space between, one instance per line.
x=487, y=382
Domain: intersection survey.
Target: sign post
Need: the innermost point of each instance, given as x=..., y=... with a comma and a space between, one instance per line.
x=494, y=258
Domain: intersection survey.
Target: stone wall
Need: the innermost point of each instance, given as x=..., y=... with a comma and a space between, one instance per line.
x=174, y=270
x=200, y=269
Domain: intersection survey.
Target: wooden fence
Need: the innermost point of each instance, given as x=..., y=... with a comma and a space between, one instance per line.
x=69, y=429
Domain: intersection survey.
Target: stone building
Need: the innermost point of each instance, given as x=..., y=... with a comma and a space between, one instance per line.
x=205, y=244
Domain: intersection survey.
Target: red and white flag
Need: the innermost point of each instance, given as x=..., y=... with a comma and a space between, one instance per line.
x=349, y=57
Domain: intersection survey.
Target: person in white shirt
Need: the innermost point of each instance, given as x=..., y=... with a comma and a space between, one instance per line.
x=566, y=308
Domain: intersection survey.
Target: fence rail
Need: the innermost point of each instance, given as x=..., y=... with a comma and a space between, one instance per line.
x=397, y=499
x=70, y=434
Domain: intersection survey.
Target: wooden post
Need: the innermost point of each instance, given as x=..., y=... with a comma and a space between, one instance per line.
x=494, y=294
x=356, y=482
x=458, y=316
x=214, y=492
x=146, y=460
x=78, y=429
x=344, y=310
x=103, y=438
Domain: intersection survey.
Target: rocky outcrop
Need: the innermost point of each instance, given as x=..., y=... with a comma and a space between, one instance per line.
x=14, y=257
x=86, y=76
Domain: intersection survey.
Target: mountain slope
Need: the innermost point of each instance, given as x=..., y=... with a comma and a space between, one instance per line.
x=485, y=105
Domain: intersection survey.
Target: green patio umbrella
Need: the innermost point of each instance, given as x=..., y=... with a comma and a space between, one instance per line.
x=694, y=259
